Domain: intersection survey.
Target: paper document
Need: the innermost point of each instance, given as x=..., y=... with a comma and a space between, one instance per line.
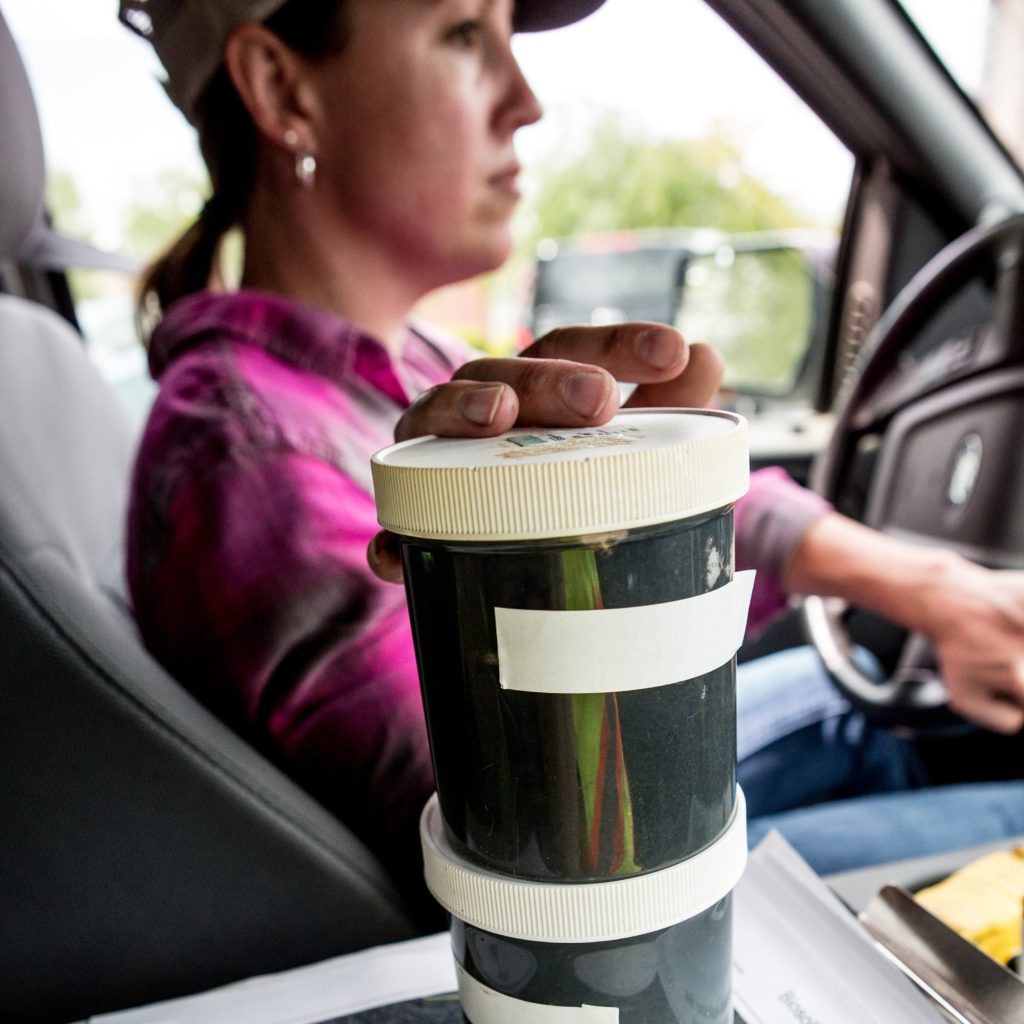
x=800, y=957
x=320, y=992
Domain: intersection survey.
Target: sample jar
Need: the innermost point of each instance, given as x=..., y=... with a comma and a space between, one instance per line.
x=576, y=618
x=651, y=949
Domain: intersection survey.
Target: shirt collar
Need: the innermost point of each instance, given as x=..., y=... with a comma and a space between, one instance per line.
x=305, y=336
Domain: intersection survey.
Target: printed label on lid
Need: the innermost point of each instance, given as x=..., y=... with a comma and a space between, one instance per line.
x=632, y=430
x=518, y=446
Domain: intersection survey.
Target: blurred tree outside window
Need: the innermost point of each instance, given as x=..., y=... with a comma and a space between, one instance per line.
x=627, y=180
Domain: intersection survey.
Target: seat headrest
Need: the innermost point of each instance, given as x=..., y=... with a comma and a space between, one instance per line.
x=22, y=167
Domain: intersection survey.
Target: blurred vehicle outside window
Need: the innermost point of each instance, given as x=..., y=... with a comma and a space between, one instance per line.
x=611, y=278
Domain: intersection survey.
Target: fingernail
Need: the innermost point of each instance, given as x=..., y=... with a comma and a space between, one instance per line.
x=586, y=393
x=480, y=405
x=660, y=349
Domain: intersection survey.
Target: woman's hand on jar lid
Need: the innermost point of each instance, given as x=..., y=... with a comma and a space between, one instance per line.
x=565, y=379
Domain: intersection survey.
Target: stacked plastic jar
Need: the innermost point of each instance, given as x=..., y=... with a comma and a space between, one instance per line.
x=576, y=618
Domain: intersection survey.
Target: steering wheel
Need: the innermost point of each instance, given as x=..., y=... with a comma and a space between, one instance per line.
x=914, y=695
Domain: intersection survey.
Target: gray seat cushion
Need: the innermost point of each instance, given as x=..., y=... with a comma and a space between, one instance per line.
x=146, y=850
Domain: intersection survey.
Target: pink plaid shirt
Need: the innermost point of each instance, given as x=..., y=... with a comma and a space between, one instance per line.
x=770, y=520
x=251, y=510
x=250, y=514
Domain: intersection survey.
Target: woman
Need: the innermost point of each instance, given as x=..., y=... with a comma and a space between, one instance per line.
x=365, y=148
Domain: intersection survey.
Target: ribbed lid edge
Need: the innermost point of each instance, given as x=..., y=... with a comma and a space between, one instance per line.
x=583, y=912
x=537, y=499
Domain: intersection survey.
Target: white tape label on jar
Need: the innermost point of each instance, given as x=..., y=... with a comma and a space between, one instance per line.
x=610, y=650
x=483, y=1005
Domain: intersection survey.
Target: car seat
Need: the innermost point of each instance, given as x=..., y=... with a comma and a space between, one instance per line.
x=146, y=851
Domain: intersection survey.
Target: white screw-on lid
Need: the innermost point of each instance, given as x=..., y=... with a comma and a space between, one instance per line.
x=645, y=466
x=585, y=911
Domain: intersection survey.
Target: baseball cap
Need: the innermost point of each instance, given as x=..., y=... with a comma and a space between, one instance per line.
x=189, y=35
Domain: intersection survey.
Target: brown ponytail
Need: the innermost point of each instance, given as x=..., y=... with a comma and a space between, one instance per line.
x=227, y=139
x=189, y=265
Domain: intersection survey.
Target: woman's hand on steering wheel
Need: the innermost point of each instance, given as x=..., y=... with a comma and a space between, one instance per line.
x=976, y=634
x=976, y=627
x=972, y=617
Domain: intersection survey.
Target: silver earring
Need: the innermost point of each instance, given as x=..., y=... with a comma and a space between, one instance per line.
x=305, y=169
x=305, y=163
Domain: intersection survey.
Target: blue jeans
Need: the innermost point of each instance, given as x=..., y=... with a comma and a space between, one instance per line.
x=893, y=826
x=799, y=743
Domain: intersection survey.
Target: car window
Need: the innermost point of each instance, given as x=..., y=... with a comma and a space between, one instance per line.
x=115, y=150
x=692, y=130
x=686, y=94
x=980, y=43
x=694, y=133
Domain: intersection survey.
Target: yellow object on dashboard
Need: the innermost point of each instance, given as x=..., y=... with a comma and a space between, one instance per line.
x=984, y=902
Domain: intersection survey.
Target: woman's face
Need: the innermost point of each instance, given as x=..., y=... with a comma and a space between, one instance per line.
x=414, y=136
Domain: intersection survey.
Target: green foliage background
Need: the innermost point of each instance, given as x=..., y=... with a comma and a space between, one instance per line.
x=623, y=179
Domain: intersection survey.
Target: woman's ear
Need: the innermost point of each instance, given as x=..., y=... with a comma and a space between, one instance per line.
x=271, y=81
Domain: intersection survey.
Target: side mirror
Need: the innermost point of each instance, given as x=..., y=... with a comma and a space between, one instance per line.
x=760, y=308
